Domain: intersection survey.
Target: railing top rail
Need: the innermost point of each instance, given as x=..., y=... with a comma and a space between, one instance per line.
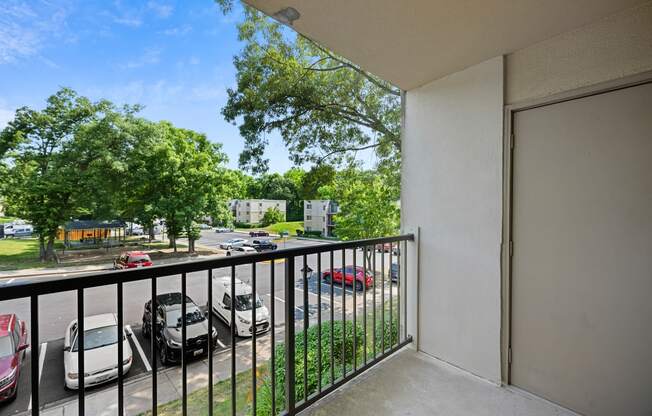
x=41, y=285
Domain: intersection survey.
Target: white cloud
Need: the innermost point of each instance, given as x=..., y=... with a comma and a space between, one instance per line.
x=177, y=31
x=128, y=21
x=5, y=117
x=207, y=93
x=149, y=57
x=194, y=61
x=161, y=10
x=26, y=26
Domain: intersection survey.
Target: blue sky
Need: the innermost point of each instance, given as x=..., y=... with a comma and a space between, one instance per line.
x=174, y=57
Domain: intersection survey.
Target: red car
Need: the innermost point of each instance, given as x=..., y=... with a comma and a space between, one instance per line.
x=132, y=259
x=13, y=343
x=360, y=279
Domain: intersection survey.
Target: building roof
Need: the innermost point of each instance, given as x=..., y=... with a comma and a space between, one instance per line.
x=88, y=224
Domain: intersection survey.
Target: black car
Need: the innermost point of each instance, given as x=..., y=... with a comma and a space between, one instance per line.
x=263, y=245
x=258, y=233
x=168, y=327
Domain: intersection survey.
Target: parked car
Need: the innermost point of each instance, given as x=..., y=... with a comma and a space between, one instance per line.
x=203, y=226
x=394, y=272
x=223, y=230
x=167, y=313
x=18, y=229
x=13, y=343
x=387, y=247
x=132, y=260
x=101, y=337
x=234, y=242
x=241, y=250
x=258, y=233
x=244, y=302
x=361, y=281
x=134, y=229
x=263, y=245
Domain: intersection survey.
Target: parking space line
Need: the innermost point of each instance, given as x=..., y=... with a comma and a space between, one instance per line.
x=283, y=301
x=139, y=348
x=220, y=343
x=41, y=361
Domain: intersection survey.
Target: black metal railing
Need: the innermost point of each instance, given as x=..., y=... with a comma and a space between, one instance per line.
x=364, y=355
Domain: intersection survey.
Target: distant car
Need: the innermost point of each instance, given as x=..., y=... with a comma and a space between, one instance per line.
x=18, y=229
x=168, y=327
x=203, y=226
x=101, y=337
x=394, y=272
x=241, y=250
x=135, y=229
x=387, y=247
x=263, y=245
x=244, y=302
x=234, y=242
x=258, y=233
x=223, y=230
x=361, y=281
x=132, y=260
x=13, y=343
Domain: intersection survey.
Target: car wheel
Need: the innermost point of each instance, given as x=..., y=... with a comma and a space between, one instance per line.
x=228, y=253
x=358, y=286
x=164, y=355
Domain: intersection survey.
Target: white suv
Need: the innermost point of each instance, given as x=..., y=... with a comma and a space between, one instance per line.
x=244, y=302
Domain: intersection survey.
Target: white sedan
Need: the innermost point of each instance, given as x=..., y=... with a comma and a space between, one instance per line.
x=100, y=351
x=234, y=242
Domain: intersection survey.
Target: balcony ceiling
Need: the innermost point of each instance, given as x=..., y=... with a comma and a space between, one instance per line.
x=412, y=42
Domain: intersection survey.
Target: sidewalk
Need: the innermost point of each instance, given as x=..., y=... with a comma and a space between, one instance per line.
x=138, y=393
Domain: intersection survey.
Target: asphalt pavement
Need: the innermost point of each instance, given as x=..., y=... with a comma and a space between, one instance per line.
x=57, y=310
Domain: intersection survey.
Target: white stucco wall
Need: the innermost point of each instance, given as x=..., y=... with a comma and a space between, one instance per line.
x=452, y=190
x=611, y=48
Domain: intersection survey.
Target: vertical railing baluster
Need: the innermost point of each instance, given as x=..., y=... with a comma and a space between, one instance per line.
x=210, y=342
x=364, y=300
x=375, y=306
x=306, y=325
x=343, y=313
x=391, y=285
x=405, y=288
x=152, y=345
x=332, y=323
x=273, y=334
x=36, y=404
x=289, y=336
x=184, y=363
x=120, y=329
x=253, y=336
x=382, y=299
x=318, y=281
x=398, y=291
x=354, y=288
x=80, y=351
x=233, y=333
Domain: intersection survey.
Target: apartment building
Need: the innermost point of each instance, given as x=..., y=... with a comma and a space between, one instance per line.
x=251, y=211
x=318, y=216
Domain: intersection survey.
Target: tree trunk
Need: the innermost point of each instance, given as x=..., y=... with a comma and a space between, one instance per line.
x=151, y=233
x=49, y=251
x=41, y=247
x=191, y=245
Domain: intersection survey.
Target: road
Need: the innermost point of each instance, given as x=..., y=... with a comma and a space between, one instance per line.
x=57, y=310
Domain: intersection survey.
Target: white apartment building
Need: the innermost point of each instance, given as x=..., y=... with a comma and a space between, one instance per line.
x=318, y=216
x=251, y=211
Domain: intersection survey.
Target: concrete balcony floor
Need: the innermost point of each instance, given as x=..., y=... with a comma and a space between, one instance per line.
x=411, y=383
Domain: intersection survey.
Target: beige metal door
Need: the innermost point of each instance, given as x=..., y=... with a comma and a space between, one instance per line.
x=581, y=323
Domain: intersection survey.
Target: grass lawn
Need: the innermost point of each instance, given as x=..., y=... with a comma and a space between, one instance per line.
x=198, y=400
x=21, y=253
x=289, y=226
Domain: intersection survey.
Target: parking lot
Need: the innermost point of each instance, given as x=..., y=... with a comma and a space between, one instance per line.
x=58, y=310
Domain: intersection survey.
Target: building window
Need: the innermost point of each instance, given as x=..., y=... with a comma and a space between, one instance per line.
x=308, y=206
x=308, y=217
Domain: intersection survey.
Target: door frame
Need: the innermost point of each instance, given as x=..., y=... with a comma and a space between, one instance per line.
x=508, y=162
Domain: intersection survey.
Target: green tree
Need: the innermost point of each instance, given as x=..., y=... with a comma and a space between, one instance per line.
x=315, y=178
x=325, y=107
x=272, y=216
x=286, y=187
x=41, y=184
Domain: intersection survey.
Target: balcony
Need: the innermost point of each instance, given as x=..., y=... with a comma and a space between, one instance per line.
x=323, y=334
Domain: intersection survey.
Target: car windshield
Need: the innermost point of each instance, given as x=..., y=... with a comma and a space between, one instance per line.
x=6, y=346
x=139, y=258
x=193, y=316
x=244, y=302
x=98, y=337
